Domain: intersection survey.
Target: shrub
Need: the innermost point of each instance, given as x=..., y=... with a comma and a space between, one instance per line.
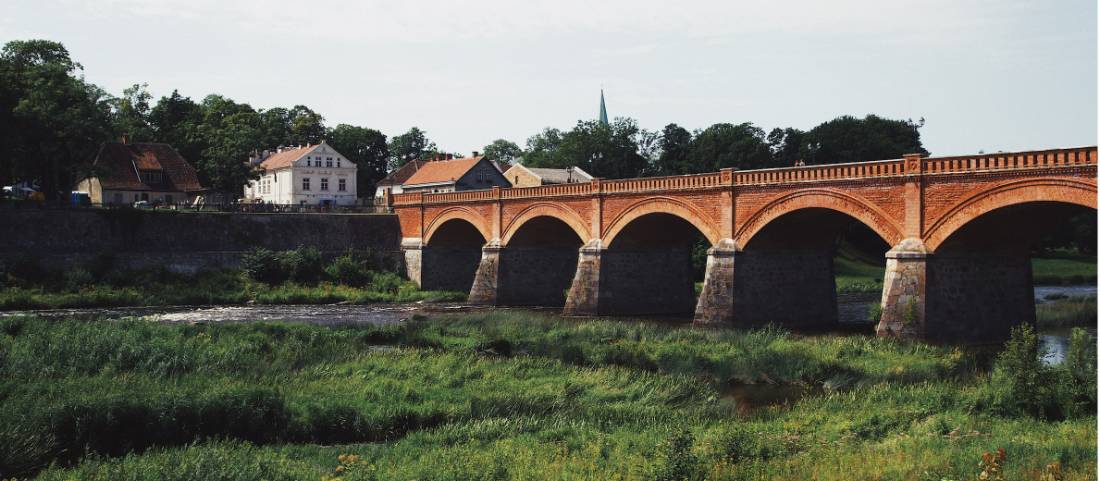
x=387, y=282
x=349, y=269
x=263, y=265
x=77, y=278
x=302, y=264
x=1079, y=367
x=679, y=463
x=1020, y=381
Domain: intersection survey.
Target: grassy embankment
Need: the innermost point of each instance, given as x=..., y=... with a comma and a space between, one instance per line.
x=291, y=277
x=518, y=395
x=856, y=274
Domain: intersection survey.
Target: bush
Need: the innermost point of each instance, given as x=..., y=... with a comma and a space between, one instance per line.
x=349, y=269
x=78, y=278
x=1079, y=367
x=302, y=264
x=1020, y=383
x=387, y=282
x=680, y=464
x=263, y=265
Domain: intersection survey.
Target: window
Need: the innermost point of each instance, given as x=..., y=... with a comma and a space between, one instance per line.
x=342, y=185
x=305, y=183
x=337, y=162
x=324, y=183
x=328, y=163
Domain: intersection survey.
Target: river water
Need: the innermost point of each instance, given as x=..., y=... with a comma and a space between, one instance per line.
x=853, y=312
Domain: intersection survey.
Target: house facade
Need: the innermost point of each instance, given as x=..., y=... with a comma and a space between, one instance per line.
x=469, y=173
x=125, y=173
x=392, y=183
x=521, y=176
x=310, y=175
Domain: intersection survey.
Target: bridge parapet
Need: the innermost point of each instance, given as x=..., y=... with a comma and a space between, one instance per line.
x=817, y=173
x=1083, y=156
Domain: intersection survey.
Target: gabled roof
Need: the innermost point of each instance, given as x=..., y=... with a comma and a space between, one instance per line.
x=401, y=174
x=560, y=176
x=441, y=171
x=556, y=176
x=117, y=167
x=280, y=160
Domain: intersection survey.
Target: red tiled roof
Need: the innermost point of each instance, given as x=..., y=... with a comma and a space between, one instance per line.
x=117, y=166
x=443, y=171
x=285, y=158
x=401, y=174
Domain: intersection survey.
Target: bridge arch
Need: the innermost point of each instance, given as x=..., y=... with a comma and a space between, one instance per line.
x=855, y=207
x=461, y=213
x=662, y=205
x=1047, y=189
x=547, y=209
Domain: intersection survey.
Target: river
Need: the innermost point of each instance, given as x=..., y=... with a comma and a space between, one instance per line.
x=852, y=309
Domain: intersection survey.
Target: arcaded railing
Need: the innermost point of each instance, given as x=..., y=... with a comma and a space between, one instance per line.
x=860, y=170
x=1083, y=156
x=1012, y=160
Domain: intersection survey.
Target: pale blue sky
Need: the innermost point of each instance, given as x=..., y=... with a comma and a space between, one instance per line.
x=992, y=75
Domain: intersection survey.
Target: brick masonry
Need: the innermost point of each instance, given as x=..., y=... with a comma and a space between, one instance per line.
x=921, y=200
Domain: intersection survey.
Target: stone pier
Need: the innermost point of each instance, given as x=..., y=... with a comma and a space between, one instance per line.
x=584, y=293
x=904, y=291
x=715, y=305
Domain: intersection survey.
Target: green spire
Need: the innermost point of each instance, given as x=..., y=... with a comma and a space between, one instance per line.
x=603, y=110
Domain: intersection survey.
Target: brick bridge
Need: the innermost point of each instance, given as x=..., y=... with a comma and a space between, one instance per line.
x=958, y=230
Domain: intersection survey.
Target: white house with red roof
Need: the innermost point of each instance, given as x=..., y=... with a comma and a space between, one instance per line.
x=310, y=175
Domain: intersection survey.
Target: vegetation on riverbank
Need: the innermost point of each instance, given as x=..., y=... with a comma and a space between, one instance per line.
x=857, y=275
x=1064, y=311
x=296, y=276
x=521, y=395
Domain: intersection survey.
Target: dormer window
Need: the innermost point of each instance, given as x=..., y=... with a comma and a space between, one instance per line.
x=152, y=177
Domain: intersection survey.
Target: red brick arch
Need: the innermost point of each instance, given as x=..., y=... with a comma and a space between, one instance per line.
x=1045, y=189
x=662, y=205
x=864, y=211
x=469, y=215
x=547, y=209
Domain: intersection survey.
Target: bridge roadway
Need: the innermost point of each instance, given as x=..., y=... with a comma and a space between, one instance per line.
x=957, y=229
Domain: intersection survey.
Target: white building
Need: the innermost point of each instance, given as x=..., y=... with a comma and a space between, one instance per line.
x=310, y=175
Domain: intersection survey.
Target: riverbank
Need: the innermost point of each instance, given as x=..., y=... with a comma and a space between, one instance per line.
x=858, y=275
x=510, y=395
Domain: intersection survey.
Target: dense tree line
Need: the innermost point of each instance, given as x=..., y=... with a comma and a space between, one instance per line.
x=622, y=149
x=52, y=122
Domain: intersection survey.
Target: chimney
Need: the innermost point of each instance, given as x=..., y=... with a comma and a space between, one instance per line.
x=475, y=153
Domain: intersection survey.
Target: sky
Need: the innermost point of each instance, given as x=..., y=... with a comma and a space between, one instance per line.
x=985, y=75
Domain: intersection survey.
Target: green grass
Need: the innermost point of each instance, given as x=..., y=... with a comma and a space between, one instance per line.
x=499, y=395
x=857, y=275
x=1064, y=270
x=157, y=288
x=1069, y=311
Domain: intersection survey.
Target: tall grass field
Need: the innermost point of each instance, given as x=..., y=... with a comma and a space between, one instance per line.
x=522, y=395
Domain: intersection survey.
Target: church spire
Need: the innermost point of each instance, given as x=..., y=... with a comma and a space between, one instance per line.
x=603, y=110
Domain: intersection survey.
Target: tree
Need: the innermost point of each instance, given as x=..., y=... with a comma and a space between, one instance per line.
x=503, y=150
x=603, y=150
x=177, y=120
x=543, y=149
x=742, y=146
x=132, y=114
x=675, y=148
x=306, y=126
x=849, y=139
x=51, y=120
x=787, y=146
x=410, y=145
x=367, y=149
x=231, y=132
